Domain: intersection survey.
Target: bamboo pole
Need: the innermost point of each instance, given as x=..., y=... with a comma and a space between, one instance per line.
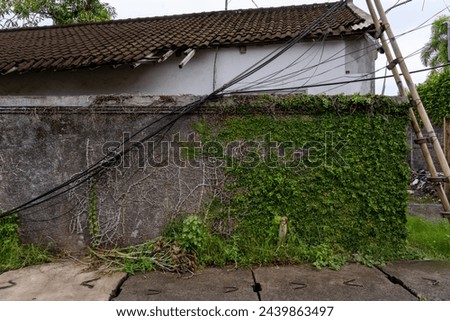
x=423, y=146
x=447, y=146
x=415, y=96
x=386, y=49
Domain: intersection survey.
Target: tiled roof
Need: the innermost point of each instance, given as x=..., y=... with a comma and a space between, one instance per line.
x=136, y=40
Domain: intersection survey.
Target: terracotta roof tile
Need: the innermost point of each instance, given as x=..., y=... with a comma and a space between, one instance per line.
x=129, y=41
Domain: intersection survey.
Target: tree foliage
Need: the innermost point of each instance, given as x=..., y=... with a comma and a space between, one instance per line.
x=434, y=92
x=435, y=51
x=434, y=95
x=29, y=13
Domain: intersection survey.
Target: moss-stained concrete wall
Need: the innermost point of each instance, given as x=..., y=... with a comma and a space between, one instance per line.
x=43, y=146
x=47, y=142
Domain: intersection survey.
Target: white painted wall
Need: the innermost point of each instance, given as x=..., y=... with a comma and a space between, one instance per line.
x=304, y=64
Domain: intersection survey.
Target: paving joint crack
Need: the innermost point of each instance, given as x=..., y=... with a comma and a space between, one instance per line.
x=397, y=281
x=115, y=293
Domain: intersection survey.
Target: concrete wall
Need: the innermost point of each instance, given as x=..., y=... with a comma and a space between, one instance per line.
x=46, y=141
x=416, y=160
x=307, y=63
x=42, y=147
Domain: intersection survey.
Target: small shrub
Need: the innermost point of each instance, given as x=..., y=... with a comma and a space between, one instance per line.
x=194, y=234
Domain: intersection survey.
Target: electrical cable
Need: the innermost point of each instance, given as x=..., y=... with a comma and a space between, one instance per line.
x=259, y=82
x=107, y=160
x=363, y=77
x=301, y=71
x=276, y=77
x=98, y=167
x=397, y=5
x=110, y=159
x=281, y=50
x=335, y=57
x=338, y=82
x=292, y=75
x=307, y=78
x=378, y=70
x=317, y=67
x=253, y=1
x=446, y=5
x=272, y=76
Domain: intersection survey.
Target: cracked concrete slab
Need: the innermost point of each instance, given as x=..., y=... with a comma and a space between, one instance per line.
x=61, y=281
x=286, y=283
x=352, y=282
x=429, y=280
x=69, y=280
x=210, y=284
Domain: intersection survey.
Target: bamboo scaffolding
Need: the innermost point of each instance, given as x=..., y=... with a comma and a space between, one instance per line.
x=421, y=139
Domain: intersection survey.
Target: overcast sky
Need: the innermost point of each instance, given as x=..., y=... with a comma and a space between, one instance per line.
x=402, y=19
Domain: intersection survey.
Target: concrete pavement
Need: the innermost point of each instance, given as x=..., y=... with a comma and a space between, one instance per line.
x=62, y=281
x=285, y=283
x=428, y=280
x=72, y=281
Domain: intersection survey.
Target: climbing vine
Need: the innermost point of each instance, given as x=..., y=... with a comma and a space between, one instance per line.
x=94, y=226
x=331, y=169
x=313, y=105
x=340, y=177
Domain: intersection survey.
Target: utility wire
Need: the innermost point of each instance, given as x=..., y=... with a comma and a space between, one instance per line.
x=382, y=68
x=273, y=78
x=362, y=78
x=334, y=83
x=397, y=4
x=110, y=159
x=292, y=76
x=255, y=3
x=281, y=50
x=113, y=157
x=99, y=167
x=261, y=81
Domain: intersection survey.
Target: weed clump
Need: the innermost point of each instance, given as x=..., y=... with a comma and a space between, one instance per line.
x=13, y=254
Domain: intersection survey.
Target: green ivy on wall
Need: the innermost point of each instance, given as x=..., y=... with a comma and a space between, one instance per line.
x=312, y=105
x=93, y=223
x=307, y=179
x=335, y=167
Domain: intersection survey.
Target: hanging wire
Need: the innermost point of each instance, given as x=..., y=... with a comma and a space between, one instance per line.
x=262, y=83
x=397, y=4
x=165, y=122
x=107, y=162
